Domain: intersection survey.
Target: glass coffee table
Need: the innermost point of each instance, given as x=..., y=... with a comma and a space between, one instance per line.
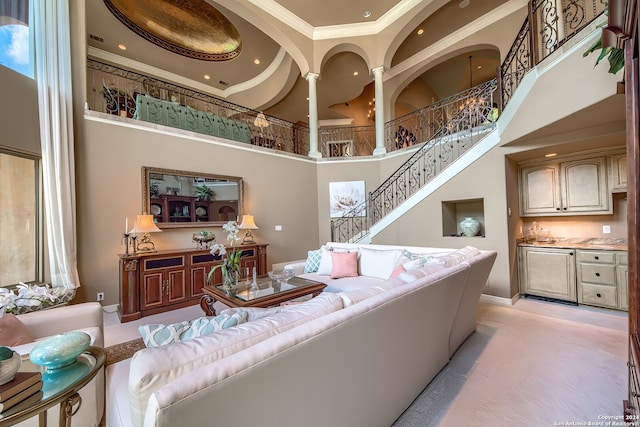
x=268, y=293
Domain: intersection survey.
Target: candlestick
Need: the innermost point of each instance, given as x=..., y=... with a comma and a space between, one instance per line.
x=126, y=243
x=254, y=284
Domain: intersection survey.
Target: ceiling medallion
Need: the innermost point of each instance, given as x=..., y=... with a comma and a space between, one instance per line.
x=192, y=28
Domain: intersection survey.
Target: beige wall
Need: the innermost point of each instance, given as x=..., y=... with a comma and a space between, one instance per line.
x=278, y=190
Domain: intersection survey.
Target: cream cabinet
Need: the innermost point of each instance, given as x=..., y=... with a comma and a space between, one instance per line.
x=571, y=187
x=618, y=175
x=548, y=272
x=601, y=278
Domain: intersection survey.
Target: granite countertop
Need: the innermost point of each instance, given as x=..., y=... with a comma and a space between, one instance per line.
x=610, y=244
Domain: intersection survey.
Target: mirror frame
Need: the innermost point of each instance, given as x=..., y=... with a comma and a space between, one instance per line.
x=146, y=197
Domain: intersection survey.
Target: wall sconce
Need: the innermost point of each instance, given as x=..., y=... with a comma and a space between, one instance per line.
x=144, y=224
x=248, y=224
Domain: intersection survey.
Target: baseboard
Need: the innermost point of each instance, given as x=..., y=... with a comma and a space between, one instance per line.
x=492, y=299
x=110, y=308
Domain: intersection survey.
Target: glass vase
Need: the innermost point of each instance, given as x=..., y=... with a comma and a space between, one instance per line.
x=230, y=281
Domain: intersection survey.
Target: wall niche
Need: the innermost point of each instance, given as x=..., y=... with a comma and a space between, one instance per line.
x=455, y=211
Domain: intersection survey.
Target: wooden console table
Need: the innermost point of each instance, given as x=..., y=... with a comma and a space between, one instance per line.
x=155, y=282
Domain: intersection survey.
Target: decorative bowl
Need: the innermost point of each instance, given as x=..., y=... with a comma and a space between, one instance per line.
x=203, y=238
x=9, y=367
x=281, y=275
x=60, y=350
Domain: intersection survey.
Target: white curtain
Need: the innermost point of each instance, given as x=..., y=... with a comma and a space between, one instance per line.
x=53, y=74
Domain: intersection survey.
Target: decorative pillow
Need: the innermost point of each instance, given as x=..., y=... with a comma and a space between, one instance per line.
x=160, y=334
x=378, y=263
x=313, y=260
x=397, y=271
x=325, y=266
x=344, y=264
x=13, y=332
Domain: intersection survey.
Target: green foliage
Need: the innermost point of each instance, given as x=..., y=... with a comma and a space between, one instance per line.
x=203, y=192
x=615, y=56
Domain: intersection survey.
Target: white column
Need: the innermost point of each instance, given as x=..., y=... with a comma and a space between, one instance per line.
x=313, y=116
x=377, y=73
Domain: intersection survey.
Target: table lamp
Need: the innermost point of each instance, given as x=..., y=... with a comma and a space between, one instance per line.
x=248, y=224
x=144, y=224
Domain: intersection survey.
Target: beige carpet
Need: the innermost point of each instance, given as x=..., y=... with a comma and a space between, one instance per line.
x=123, y=351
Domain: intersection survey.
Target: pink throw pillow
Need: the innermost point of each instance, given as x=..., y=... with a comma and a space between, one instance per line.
x=398, y=271
x=344, y=264
x=13, y=332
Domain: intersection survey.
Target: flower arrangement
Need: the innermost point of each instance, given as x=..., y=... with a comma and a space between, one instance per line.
x=230, y=265
x=31, y=297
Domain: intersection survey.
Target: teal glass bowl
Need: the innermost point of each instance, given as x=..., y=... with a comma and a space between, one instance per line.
x=60, y=350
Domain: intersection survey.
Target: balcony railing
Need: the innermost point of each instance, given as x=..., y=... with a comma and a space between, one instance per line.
x=115, y=90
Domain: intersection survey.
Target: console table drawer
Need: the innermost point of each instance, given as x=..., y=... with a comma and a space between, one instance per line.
x=599, y=295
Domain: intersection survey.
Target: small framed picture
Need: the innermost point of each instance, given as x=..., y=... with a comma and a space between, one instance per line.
x=344, y=196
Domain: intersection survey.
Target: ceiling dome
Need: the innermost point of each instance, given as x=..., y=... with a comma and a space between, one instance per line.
x=192, y=28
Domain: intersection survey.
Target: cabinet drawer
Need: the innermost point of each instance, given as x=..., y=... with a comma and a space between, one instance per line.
x=158, y=263
x=596, y=273
x=596, y=257
x=600, y=295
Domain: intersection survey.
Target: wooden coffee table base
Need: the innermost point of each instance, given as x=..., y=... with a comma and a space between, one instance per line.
x=213, y=294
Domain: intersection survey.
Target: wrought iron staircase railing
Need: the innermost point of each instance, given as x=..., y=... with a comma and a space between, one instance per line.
x=470, y=121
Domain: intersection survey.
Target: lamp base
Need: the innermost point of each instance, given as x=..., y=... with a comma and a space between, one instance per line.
x=145, y=244
x=248, y=238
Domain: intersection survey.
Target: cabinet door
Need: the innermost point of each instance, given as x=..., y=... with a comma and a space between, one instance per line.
x=152, y=290
x=622, y=272
x=548, y=272
x=539, y=190
x=584, y=186
x=176, y=286
x=619, y=173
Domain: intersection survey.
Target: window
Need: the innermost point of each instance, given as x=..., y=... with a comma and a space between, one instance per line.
x=20, y=218
x=16, y=37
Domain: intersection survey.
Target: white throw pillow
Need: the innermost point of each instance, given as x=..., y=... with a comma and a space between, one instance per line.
x=326, y=265
x=378, y=263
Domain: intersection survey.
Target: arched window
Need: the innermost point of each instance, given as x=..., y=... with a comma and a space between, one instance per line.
x=16, y=37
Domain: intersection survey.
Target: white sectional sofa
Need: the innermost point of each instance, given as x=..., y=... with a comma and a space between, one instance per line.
x=86, y=317
x=356, y=357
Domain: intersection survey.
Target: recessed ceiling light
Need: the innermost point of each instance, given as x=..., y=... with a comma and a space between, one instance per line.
x=256, y=61
x=551, y=155
x=479, y=66
x=355, y=73
x=464, y=3
x=122, y=47
x=366, y=13
x=207, y=76
x=420, y=31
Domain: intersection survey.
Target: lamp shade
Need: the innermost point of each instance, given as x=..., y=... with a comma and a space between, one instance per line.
x=261, y=121
x=145, y=224
x=248, y=223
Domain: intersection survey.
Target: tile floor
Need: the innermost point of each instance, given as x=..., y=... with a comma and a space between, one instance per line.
x=531, y=364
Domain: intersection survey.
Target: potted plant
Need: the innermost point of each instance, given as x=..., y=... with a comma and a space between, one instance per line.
x=203, y=192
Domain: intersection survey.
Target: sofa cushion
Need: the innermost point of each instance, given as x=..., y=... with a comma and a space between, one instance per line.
x=458, y=256
x=255, y=313
x=378, y=263
x=152, y=368
x=350, y=298
x=13, y=332
x=155, y=335
x=344, y=264
x=313, y=260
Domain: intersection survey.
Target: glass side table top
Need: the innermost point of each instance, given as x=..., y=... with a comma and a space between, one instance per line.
x=268, y=287
x=56, y=384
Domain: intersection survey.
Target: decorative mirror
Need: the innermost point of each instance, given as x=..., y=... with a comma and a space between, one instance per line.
x=190, y=199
